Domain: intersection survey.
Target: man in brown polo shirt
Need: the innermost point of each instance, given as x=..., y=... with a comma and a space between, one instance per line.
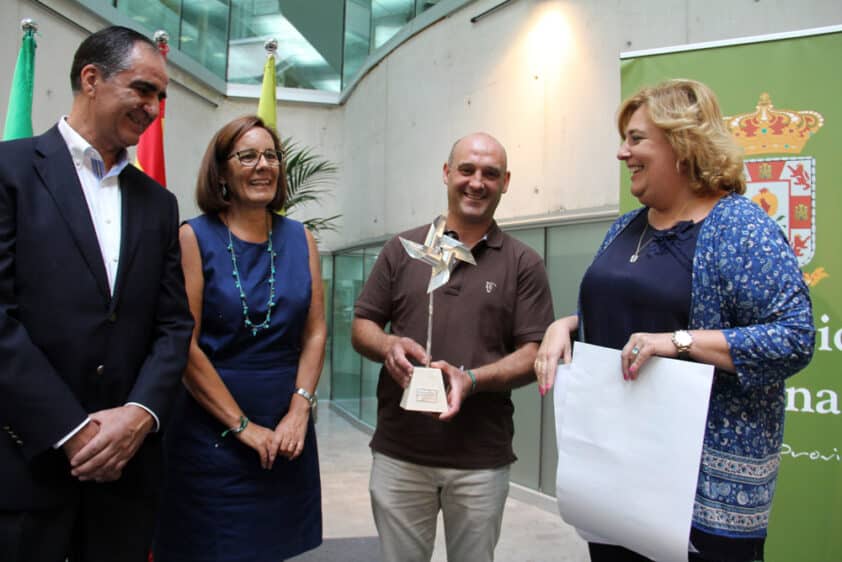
x=487, y=324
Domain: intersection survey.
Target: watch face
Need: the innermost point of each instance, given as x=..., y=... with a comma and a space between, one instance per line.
x=683, y=339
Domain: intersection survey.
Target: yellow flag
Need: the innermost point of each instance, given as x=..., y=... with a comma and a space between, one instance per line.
x=266, y=106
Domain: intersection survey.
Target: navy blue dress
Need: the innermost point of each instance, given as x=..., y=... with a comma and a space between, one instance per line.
x=218, y=503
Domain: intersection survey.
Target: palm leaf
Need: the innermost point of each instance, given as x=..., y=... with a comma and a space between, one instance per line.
x=309, y=177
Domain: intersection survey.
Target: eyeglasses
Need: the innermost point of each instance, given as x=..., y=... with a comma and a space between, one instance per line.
x=250, y=157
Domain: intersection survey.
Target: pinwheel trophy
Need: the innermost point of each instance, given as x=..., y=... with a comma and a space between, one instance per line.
x=425, y=391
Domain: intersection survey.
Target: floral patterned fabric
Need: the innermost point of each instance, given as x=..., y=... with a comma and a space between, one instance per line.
x=746, y=282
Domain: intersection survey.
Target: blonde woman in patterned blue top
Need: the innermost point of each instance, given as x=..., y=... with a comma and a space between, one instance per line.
x=699, y=273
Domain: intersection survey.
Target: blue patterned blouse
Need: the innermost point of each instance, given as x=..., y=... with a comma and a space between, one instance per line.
x=746, y=282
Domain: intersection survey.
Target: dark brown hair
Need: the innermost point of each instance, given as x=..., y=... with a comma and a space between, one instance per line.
x=211, y=172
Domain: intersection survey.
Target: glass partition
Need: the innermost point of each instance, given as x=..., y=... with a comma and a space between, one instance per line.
x=327, y=285
x=321, y=45
x=388, y=17
x=370, y=369
x=347, y=364
x=204, y=33
x=154, y=16
x=527, y=418
x=357, y=37
x=309, y=42
x=570, y=250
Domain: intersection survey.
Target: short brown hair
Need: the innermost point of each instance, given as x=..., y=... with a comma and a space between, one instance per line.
x=209, y=184
x=688, y=113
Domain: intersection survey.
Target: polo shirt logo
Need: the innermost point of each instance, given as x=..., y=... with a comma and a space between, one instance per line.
x=490, y=286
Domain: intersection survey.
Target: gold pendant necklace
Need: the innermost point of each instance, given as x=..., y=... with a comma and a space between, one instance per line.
x=640, y=244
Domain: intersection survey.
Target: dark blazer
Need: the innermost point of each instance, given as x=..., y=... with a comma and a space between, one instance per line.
x=67, y=347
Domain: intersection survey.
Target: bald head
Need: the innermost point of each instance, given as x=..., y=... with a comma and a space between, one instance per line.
x=476, y=178
x=479, y=137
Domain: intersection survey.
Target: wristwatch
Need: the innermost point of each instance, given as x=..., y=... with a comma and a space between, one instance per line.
x=682, y=340
x=310, y=398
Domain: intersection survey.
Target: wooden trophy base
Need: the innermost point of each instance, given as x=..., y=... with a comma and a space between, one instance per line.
x=425, y=392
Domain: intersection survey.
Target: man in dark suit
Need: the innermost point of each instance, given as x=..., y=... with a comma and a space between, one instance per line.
x=94, y=322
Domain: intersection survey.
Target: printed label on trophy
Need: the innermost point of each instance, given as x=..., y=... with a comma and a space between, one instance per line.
x=426, y=395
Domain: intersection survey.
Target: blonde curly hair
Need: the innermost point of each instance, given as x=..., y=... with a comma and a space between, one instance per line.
x=688, y=113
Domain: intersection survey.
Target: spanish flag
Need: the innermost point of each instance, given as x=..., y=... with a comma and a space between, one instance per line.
x=19, y=114
x=150, y=147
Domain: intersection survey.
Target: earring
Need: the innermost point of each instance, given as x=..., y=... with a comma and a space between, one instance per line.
x=224, y=189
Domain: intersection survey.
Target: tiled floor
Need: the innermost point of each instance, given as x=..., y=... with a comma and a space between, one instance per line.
x=529, y=533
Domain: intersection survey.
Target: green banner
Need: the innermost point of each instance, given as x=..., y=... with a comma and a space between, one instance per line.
x=782, y=99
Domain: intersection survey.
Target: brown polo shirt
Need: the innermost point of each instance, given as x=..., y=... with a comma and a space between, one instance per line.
x=482, y=314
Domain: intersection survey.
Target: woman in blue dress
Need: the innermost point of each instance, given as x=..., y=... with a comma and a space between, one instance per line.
x=699, y=273
x=242, y=466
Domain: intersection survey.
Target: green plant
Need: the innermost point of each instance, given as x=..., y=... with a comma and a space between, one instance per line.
x=309, y=177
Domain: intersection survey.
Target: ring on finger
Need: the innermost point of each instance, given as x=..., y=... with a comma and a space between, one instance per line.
x=635, y=351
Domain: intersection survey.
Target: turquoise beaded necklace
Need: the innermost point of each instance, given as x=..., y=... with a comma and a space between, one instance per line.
x=255, y=328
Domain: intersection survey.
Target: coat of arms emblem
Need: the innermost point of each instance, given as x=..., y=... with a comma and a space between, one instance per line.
x=784, y=185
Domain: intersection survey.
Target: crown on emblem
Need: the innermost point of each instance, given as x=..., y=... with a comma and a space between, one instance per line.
x=769, y=130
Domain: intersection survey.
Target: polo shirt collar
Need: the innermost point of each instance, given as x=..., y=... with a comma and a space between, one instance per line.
x=494, y=237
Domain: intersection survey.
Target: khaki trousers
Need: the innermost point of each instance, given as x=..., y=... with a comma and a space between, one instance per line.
x=407, y=497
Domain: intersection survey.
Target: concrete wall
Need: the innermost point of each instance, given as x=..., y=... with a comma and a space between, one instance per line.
x=542, y=75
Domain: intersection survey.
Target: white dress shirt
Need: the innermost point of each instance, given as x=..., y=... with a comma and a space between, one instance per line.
x=102, y=194
x=101, y=188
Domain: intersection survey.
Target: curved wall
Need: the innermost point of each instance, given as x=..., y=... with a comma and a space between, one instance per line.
x=542, y=76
